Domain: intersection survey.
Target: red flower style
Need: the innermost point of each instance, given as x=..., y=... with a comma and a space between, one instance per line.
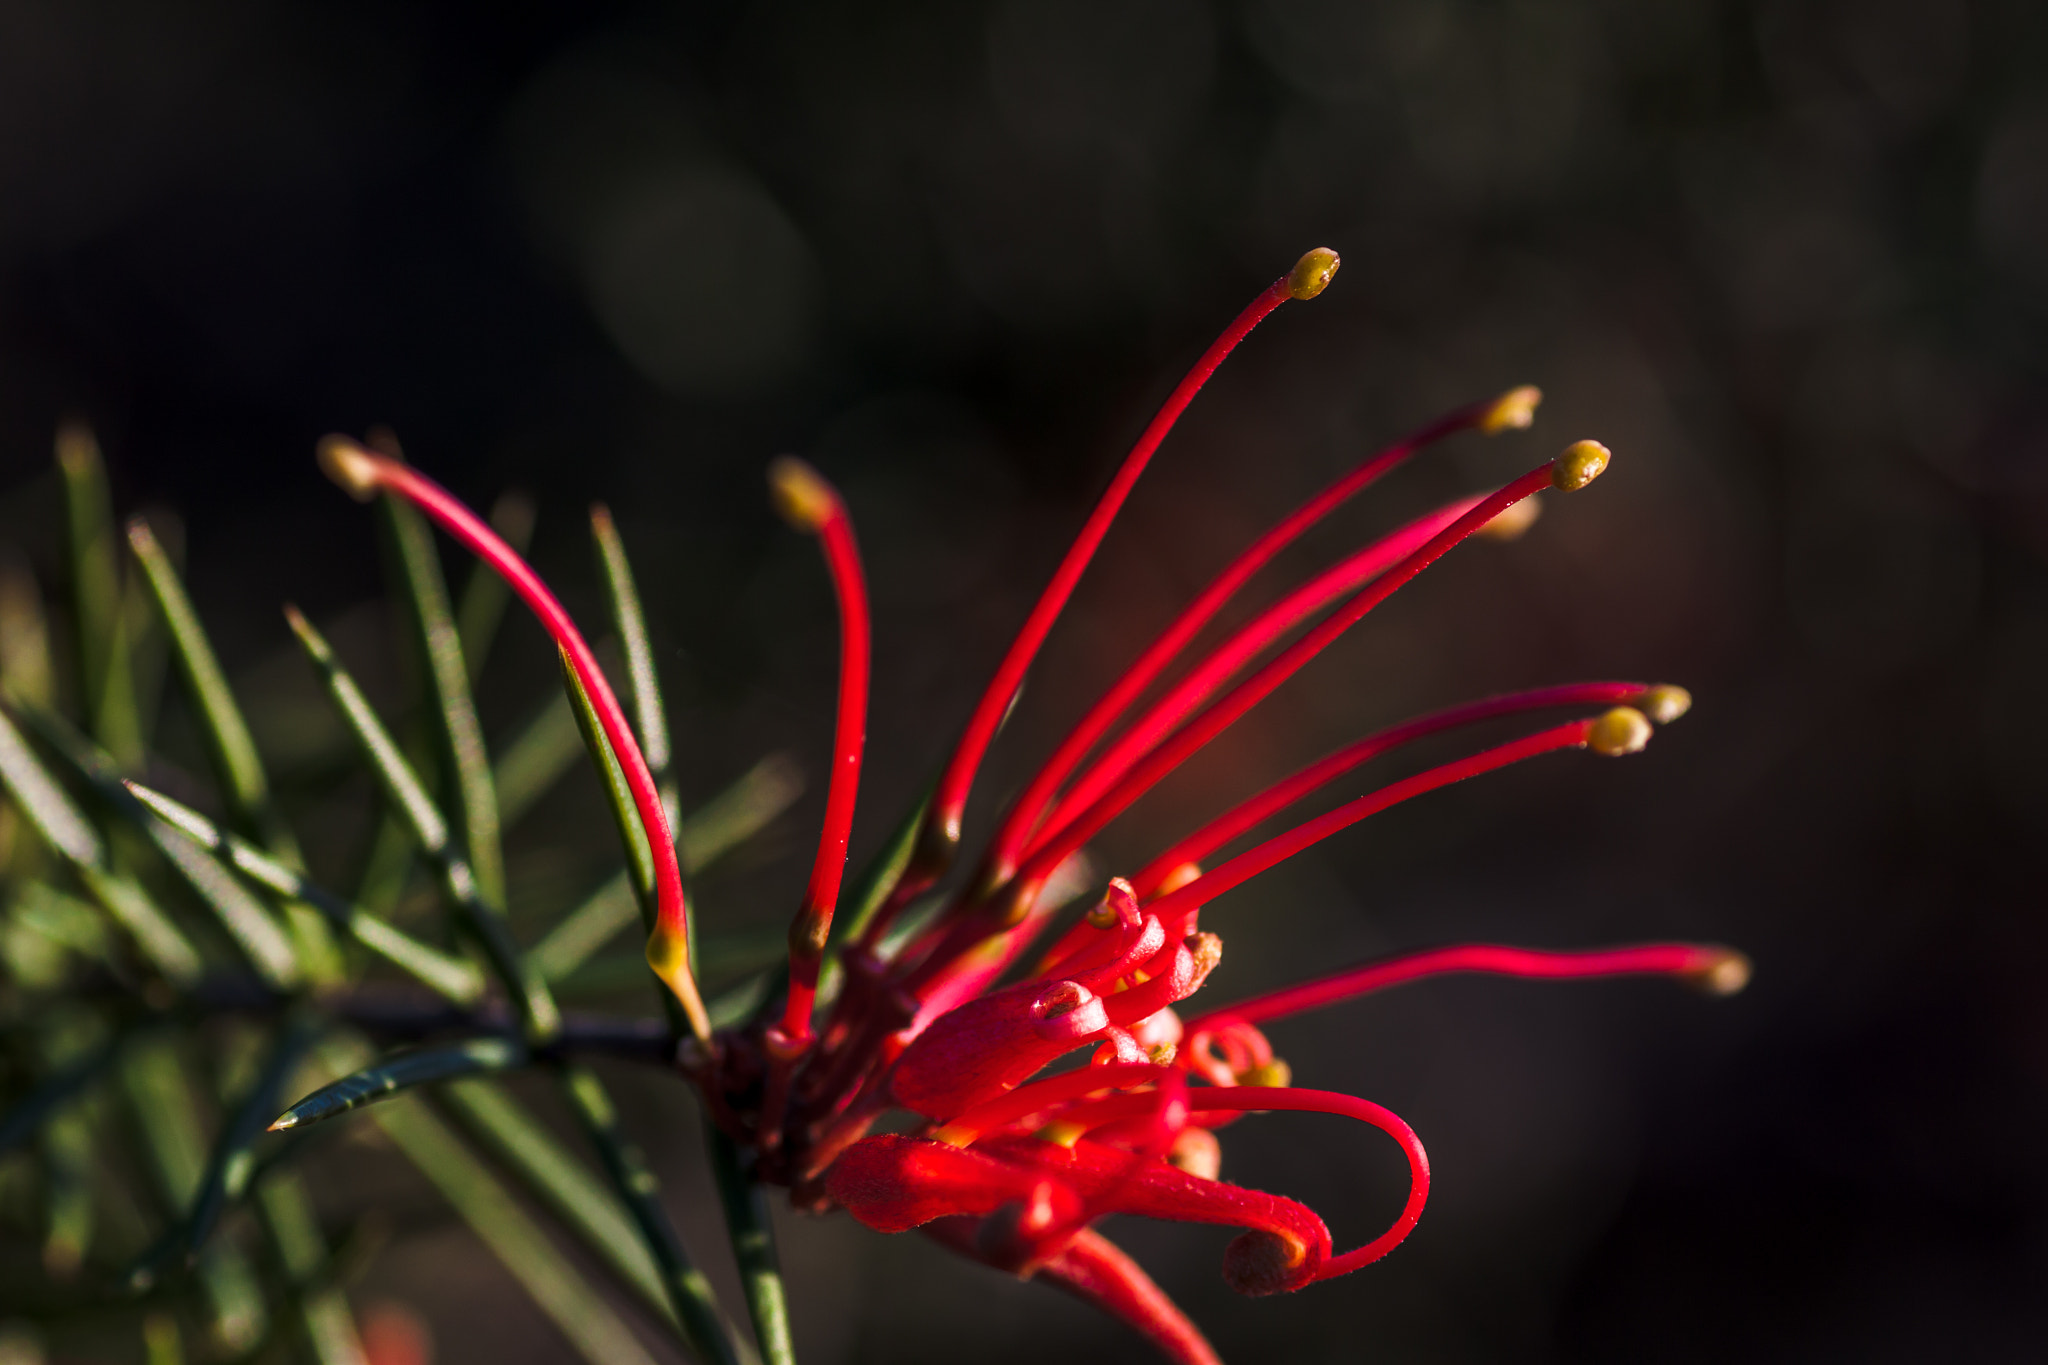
x=940, y=1006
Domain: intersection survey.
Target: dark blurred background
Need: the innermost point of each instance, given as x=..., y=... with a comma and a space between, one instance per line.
x=1789, y=259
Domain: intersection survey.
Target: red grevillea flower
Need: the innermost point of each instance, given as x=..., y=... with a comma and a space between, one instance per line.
x=959, y=1007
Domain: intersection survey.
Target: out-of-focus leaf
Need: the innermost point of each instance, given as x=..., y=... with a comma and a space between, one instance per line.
x=22, y=1122
x=248, y=922
x=739, y=812
x=161, y=1342
x=650, y=721
x=484, y=595
x=227, y=733
x=537, y=758
x=392, y=1075
x=537, y=1006
x=167, y=1115
x=322, y=1308
x=727, y=820
x=104, y=677
x=232, y=1160
x=487, y=1206
x=28, y=673
x=586, y=1206
x=65, y=829
x=452, y=976
x=689, y=1293
x=753, y=1246
x=461, y=735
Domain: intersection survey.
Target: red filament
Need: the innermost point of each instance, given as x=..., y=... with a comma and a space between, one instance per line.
x=1692, y=960
x=813, y=926
x=949, y=801
x=672, y=910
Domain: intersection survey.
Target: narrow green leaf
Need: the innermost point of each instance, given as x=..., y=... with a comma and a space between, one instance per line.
x=880, y=876
x=538, y=757
x=68, y=1180
x=696, y=1307
x=726, y=821
x=232, y=1161
x=485, y=595
x=585, y=1205
x=452, y=976
x=26, y=1118
x=461, y=735
x=161, y=941
x=753, y=1246
x=226, y=731
x=161, y=1341
x=650, y=722
x=541, y=1017
x=403, y=1071
x=28, y=672
x=625, y=815
x=65, y=829
x=487, y=1206
x=583, y=931
x=104, y=678
x=736, y=1006
x=166, y=1112
x=295, y=1231
x=739, y=812
x=246, y=920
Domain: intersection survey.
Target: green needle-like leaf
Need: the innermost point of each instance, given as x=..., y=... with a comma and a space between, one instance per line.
x=232, y=1162
x=104, y=677
x=753, y=1246
x=689, y=1293
x=487, y=1206
x=23, y=1121
x=644, y=686
x=485, y=595
x=541, y=1017
x=247, y=921
x=452, y=976
x=68, y=1180
x=66, y=830
x=28, y=672
x=461, y=735
x=538, y=757
x=726, y=821
x=295, y=1232
x=382, y=1080
x=586, y=1206
x=226, y=732
x=167, y=1114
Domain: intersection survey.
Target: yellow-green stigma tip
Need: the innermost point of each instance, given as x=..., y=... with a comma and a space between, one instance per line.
x=1312, y=273
x=1727, y=975
x=1513, y=519
x=800, y=494
x=349, y=465
x=1512, y=411
x=1665, y=703
x=1624, y=730
x=1581, y=463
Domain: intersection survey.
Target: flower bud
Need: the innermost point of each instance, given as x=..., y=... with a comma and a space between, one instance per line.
x=1581, y=463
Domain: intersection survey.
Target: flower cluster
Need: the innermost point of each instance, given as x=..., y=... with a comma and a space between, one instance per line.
x=958, y=1005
